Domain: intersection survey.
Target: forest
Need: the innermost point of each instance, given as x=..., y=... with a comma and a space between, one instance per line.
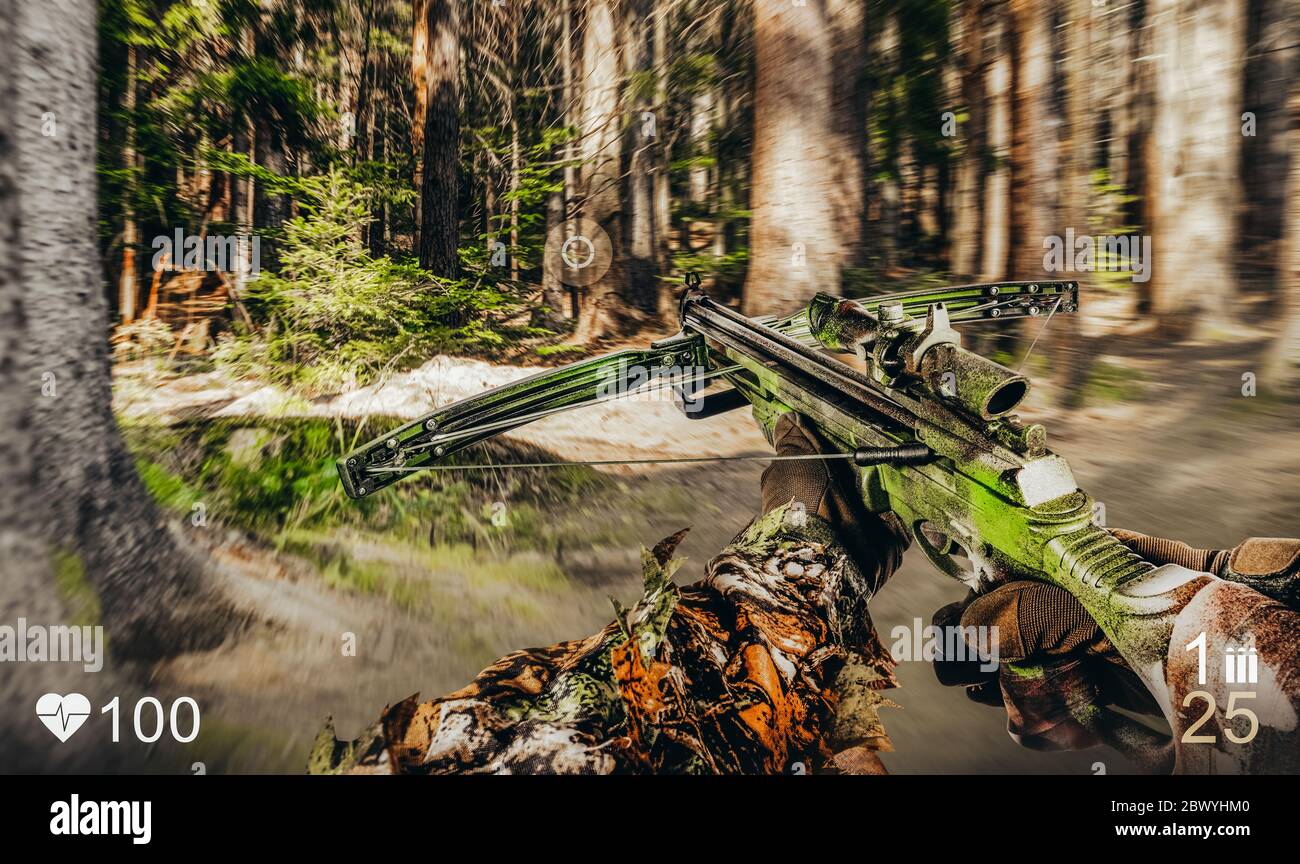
x=402, y=165
x=241, y=237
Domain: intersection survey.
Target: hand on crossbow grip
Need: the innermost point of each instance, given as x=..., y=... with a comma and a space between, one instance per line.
x=828, y=489
x=1033, y=649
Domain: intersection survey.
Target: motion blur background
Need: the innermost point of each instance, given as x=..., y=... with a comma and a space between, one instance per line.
x=408, y=169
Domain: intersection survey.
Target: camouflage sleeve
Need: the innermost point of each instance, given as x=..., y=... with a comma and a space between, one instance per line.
x=769, y=664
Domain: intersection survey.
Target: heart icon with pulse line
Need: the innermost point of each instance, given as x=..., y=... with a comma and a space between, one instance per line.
x=63, y=715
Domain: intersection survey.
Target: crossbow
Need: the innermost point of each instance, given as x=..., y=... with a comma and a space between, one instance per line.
x=927, y=424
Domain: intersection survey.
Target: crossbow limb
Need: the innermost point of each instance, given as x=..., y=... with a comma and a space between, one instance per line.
x=689, y=363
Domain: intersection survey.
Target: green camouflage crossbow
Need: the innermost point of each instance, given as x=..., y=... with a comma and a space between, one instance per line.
x=928, y=426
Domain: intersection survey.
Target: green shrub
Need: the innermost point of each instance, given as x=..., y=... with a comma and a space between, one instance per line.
x=334, y=317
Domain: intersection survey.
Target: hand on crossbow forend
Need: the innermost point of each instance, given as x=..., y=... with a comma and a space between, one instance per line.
x=827, y=489
x=1059, y=672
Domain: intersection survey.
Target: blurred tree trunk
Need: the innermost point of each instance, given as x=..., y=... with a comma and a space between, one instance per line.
x=642, y=133
x=270, y=210
x=997, y=183
x=1195, y=153
x=419, y=67
x=570, y=110
x=378, y=229
x=516, y=155
x=1139, y=111
x=883, y=174
x=662, y=194
x=722, y=198
x=365, y=78
x=701, y=132
x=555, y=296
x=846, y=20
x=602, y=312
x=968, y=203
x=439, y=189
x=1070, y=361
x=1282, y=365
x=129, y=279
x=1272, y=63
x=793, y=237
x=1035, y=171
x=349, y=79
x=74, y=503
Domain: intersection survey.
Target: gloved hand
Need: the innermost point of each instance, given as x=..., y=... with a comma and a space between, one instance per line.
x=1270, y=565
x=828, y=489
x=1057, y=664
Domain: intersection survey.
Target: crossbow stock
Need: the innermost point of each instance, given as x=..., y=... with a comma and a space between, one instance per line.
x=927, y=424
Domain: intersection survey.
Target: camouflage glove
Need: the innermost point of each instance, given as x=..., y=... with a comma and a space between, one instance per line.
x=1059, y=660
x=828, y=489
x=1055, y=664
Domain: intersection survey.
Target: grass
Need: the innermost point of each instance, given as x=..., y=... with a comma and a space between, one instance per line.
x=76, y=593
x=433, y=544
x=420, y=578
x=1109, y=382
x=272, y=476
x=559, y=350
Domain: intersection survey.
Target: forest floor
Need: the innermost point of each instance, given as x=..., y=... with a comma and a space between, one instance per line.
x=1165, y=439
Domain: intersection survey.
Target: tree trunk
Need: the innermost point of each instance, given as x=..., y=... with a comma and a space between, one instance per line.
x=997, y=185
x=1272, y=64
x=74, y=501
x=700, y=132
x=602, y=311
x=662, y=203
x=1138, y=111
x=1282, y=366
x=570, y=147
x=129, y=280
x=886, y=210
x=846, y=21
x=793, y=236
x=1034, y=167
x=515, y=153
x=555, y=296
x=378, y=229
x=1196, y=145
x=642, y=265
x=348, y=82
x=1071, y=361
x=419, y=67
x=439, y=190
x=969, y=195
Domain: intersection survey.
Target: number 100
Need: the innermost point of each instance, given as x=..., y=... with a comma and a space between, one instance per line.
x=173, y=723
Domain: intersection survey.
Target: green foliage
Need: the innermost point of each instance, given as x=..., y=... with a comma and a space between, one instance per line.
x=559, y=350
x=727, y=271
x=199, y=86
x=908, y=101
x=1110, y=382
x=1106, y=216
x=277, y=478
x=540, y=175
x=335, y=317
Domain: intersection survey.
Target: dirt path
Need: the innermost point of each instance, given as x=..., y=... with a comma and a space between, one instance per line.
x=638, y=427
